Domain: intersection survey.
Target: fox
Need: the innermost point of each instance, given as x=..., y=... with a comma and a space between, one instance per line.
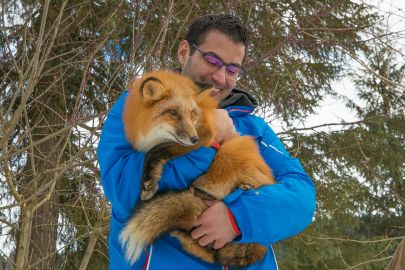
x=167, y=115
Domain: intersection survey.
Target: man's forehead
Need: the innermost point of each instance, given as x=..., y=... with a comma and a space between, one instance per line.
x=217, y=32
x=222, y=45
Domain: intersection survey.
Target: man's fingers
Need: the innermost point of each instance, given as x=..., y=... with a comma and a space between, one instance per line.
x=205, y=240
x=198, y=232
x=213, y=226
x=218, y=244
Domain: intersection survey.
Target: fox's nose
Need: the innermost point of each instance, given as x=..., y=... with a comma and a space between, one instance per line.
x=194, y=139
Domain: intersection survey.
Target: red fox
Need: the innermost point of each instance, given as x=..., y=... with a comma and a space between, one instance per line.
x=167, y=115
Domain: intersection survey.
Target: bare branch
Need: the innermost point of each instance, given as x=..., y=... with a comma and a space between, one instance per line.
x=10, y=182
x=9, y=224
x=362, y=263
x=323, y=125
x=359, y=241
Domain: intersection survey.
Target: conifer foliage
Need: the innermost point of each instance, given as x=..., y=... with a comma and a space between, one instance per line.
x=64, y=63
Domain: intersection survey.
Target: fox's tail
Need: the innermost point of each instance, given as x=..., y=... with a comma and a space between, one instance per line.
x=164, y=213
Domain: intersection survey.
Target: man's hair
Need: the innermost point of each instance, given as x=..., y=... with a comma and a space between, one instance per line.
x=227, y=24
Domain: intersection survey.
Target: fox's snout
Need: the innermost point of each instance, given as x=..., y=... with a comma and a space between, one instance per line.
x=187, y=134
x=194, y=139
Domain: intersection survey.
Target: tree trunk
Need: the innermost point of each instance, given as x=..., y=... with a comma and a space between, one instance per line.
x=47, y=114
x=42, y=251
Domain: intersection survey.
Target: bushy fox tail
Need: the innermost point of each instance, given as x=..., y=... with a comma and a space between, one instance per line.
x=164, y=213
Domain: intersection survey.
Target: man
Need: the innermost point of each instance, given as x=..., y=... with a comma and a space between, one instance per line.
x=213, y=52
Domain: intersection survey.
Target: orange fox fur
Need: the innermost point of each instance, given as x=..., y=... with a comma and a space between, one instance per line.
x=238, y=163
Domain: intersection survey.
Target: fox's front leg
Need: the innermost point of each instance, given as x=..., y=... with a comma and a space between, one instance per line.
x=155, y=159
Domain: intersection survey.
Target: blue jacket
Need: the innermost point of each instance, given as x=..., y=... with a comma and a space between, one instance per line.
x=266, y=215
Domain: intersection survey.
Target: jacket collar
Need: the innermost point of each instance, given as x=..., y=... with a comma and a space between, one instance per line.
x=238, y=98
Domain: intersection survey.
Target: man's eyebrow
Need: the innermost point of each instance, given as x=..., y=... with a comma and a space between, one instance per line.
x=216, y=55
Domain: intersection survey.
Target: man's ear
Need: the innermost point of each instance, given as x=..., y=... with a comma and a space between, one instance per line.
x=152, y=90
x=183, y=52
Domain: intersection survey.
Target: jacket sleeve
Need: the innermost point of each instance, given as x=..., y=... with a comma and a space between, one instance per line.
x=121, y=165
x=277, y=211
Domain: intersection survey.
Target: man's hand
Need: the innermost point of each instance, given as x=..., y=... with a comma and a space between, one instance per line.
x=213, y=225
x=223, y=126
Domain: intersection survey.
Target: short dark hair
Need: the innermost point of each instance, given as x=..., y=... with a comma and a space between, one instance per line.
x=228, y=24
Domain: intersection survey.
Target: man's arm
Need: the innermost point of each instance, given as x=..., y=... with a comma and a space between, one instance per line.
x=277, y=211
x=268, y=214
x=217, y=225
x=121, y=165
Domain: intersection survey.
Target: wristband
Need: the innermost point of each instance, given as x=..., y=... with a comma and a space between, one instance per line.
x=233, y=222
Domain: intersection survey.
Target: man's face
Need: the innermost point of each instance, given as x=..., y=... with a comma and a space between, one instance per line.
x=199, y=70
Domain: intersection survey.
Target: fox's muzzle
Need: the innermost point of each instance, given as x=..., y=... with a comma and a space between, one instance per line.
x=194, y=139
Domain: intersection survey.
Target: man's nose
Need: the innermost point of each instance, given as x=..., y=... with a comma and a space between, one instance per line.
x=219, y=77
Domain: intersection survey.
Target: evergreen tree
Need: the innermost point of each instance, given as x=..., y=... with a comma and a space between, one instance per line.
x=64, y=63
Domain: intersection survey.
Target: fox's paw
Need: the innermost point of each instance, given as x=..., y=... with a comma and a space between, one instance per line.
x=245, y=186
x=149, y=189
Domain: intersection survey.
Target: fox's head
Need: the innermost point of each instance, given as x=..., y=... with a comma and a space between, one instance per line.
x=164, y=106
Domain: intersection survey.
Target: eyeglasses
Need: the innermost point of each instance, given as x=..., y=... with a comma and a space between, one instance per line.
x=233, y=71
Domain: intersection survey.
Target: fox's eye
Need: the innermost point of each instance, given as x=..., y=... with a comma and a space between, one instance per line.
x=173, y=112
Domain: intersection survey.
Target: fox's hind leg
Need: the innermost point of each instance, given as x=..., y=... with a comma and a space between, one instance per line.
x=191, y=246
x=240, y=255
x=245, y=186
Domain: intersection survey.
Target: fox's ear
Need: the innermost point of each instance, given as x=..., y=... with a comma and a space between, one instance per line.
x=152, y=89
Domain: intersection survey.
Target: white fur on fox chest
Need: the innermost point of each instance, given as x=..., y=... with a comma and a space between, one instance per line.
x=159, y=134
